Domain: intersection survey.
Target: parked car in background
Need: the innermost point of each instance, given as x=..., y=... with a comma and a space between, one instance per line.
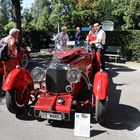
x=22, y=58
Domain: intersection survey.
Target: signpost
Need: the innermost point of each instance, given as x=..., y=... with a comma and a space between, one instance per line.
x=108, y=25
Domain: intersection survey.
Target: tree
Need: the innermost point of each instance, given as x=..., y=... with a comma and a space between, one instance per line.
x=73, y=13
x=40, y=12
x=5, y=13
x=27, y=19
x=132, y=15
x=16, y=13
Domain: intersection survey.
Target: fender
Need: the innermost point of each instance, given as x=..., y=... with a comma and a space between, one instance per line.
x=100, y=87
x=18, y=78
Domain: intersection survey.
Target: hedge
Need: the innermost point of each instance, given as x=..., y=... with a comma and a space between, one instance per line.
x=128, y=40
x=36, y=40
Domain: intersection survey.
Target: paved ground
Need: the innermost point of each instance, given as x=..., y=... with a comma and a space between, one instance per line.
x=123, y=121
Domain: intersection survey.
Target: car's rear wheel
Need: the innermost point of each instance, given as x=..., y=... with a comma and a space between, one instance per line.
x=17, y=100
x=100, y=110
x=25, y=60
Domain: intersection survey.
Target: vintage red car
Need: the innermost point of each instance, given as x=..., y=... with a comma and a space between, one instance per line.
x=72, y=80
x=22, y=58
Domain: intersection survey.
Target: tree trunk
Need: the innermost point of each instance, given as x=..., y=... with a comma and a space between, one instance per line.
x=16, y=13
x=17, y=18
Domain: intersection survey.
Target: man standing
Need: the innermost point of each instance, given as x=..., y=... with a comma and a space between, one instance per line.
x=11, y=40
x=78, y=36
x=11, y=63
x=100, y=42
x=61, y=39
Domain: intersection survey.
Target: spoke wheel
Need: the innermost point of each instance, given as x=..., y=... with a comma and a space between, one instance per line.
x=17, y=100
x=25, y=60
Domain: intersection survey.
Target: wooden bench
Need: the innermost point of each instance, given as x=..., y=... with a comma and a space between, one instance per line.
x=113, y=53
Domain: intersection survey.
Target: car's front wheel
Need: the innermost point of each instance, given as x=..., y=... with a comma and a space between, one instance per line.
x=24, y=60
x=17, y=100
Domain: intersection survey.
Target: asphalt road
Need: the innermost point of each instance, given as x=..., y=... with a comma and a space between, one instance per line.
x=123, y=120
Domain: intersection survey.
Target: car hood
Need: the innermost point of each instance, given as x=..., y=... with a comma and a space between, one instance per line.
x=65, y=55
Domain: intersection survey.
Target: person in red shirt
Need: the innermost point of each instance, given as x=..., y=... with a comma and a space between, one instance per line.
x=91, y=35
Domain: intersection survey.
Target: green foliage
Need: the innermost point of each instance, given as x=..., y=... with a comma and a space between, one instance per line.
x=5, y=13
x=8, y=26
x=40, y=14
x=119, y=8
x=132, y=15
x=47, y=14
x=27, y=19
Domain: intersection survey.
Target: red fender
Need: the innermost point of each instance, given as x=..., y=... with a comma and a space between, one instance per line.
x=18, y=78
x=98, y=60
x=100, y=87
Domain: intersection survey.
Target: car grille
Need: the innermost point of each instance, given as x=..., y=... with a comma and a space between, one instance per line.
x=56, y=80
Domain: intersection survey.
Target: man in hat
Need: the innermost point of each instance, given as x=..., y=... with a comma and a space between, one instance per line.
x=99, y=41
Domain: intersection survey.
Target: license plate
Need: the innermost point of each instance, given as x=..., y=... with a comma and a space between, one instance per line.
x=53, y=116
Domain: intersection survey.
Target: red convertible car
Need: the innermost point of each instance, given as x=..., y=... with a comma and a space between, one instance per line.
x=71, y=81
x=22, y=58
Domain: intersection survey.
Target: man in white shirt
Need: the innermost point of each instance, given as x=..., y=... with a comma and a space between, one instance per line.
x=100, y=42
x=100, y=37
x=61, y=39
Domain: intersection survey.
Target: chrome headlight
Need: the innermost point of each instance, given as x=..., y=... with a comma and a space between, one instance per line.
x=38, y=74
x=73, y=75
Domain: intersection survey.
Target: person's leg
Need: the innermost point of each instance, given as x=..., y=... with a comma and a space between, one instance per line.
x=102, y=59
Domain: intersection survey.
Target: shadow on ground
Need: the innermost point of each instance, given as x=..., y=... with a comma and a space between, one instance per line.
x=120, y=116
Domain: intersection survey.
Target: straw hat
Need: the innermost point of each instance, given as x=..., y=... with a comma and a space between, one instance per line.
x=96, y=25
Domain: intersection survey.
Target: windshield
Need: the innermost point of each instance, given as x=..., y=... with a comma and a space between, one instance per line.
x=71, y=45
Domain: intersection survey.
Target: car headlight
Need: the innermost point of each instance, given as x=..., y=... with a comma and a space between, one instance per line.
x=38, y=74
x=73, y=75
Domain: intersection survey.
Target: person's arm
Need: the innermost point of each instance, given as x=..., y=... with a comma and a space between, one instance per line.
x=67, y=38
x=97, y=40
x=56, y=39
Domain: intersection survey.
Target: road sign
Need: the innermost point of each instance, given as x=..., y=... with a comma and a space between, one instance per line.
x=108, y=25
x=85, y=29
